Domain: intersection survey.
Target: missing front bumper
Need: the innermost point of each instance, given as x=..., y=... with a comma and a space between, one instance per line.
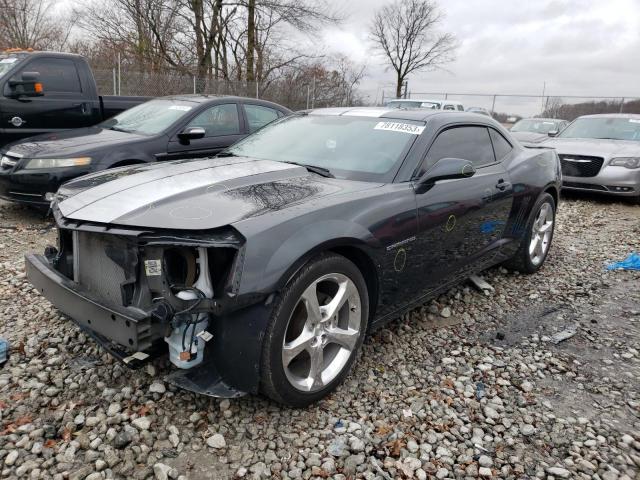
x=129, y=327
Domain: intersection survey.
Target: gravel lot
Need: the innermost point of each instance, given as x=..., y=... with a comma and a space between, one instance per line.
x=469, y=385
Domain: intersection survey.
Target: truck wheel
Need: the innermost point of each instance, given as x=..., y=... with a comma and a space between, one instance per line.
x=535, y=245
x=315, y=331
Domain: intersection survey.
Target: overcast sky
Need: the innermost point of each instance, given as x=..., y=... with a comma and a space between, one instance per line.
x=578, y=47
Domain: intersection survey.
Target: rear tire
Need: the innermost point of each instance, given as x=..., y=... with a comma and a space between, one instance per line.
x=316, y=328
x=536, y=243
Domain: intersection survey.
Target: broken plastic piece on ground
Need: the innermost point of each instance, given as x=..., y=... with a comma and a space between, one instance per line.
x=632, y=262
x=4, y=350
x=480, y=391
x=565, y=334
x=481, y=284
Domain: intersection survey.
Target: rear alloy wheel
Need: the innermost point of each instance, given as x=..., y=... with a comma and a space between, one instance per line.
x=535, y=245
x=542, y=231
x=317, y=327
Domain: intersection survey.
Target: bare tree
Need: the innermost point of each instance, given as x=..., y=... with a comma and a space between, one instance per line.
x=350, y=76
x=553, y=107
x=406, y=33
x=32, y=24
x=303, y=15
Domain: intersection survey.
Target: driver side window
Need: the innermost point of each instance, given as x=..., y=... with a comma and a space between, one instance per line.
x=218, y=120
x=467, y=143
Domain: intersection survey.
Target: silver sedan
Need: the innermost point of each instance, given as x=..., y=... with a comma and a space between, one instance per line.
x=601, y=153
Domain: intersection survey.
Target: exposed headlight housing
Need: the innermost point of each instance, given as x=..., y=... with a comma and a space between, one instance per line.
x=627, y=162
x=34, y=163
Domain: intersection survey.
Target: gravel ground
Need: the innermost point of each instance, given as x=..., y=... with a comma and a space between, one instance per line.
x=470, y=385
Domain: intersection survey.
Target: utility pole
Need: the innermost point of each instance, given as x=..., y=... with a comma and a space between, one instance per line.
x=544, y=87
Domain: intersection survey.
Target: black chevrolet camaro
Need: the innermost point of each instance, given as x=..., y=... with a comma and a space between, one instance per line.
x=261, y=270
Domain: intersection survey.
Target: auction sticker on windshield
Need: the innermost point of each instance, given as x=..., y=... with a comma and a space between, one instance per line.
x=9, y=60
x=399, y=127
x=182, y=108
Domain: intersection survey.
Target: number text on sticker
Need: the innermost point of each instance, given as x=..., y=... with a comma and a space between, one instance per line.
x=399, y=127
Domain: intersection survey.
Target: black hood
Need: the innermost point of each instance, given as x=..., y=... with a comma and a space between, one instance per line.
x=195, y=195
x=70, y=143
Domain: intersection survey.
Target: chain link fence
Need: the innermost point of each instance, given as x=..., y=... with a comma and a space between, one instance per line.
x=293, y=93
x=297, y=94
x=507, y=108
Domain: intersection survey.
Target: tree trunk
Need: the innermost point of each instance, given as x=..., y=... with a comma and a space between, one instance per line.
x=399, y=86
x=251, y=39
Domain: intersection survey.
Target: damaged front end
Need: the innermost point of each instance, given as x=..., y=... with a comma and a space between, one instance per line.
x=141, y=294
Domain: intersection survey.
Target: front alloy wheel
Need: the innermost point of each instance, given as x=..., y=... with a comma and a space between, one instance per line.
x=322, y=332
x=316, y=329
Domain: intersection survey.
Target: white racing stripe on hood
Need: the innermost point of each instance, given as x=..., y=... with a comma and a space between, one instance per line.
x=111, y=200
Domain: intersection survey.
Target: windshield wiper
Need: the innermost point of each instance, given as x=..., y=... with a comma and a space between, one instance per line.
x=325, y=172
x=119, y=129
x=226, y=154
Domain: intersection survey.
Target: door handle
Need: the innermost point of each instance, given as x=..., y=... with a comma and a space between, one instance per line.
x=83, y=108
x=502, y=185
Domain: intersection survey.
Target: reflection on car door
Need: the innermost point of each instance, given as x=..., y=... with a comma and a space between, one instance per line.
x=460, y=222
x=64, y=104
x=222, y=128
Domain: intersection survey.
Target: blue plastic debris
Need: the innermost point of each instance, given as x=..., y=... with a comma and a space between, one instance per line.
x=632, y=262
x=491, y=226
x=4, y=350
x=479, y=390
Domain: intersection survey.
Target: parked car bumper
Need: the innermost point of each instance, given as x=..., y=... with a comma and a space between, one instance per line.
x=610, y=180
x=31, y=186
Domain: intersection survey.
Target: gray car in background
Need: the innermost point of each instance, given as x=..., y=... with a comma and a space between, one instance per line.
x=530, y=131
x=601, y=153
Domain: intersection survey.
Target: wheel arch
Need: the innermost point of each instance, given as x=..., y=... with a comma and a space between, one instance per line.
x=352, y=249
x=553, y=191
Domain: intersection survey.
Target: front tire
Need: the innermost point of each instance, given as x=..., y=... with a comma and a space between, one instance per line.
x=536, y=243
x=315, y=331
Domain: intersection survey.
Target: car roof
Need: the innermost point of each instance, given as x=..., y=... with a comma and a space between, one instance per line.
x=539, y=119
x=419, y=114
x=612, y=115
x=432, y=100
x=205, y=98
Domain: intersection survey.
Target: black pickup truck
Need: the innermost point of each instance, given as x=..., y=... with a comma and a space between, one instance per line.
x=43, y=92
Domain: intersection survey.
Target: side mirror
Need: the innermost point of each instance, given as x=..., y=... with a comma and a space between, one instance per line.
x=445, y=169
x=27, y=86
x=553, y=133
x=191, y=133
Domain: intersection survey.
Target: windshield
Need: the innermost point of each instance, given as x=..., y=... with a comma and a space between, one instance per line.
x=535, y=125
x=360, y=148
x=149, y=118
x=6, y=64
x=605, y=128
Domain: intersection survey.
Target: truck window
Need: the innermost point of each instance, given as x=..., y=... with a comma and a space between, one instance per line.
x=57, y=75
